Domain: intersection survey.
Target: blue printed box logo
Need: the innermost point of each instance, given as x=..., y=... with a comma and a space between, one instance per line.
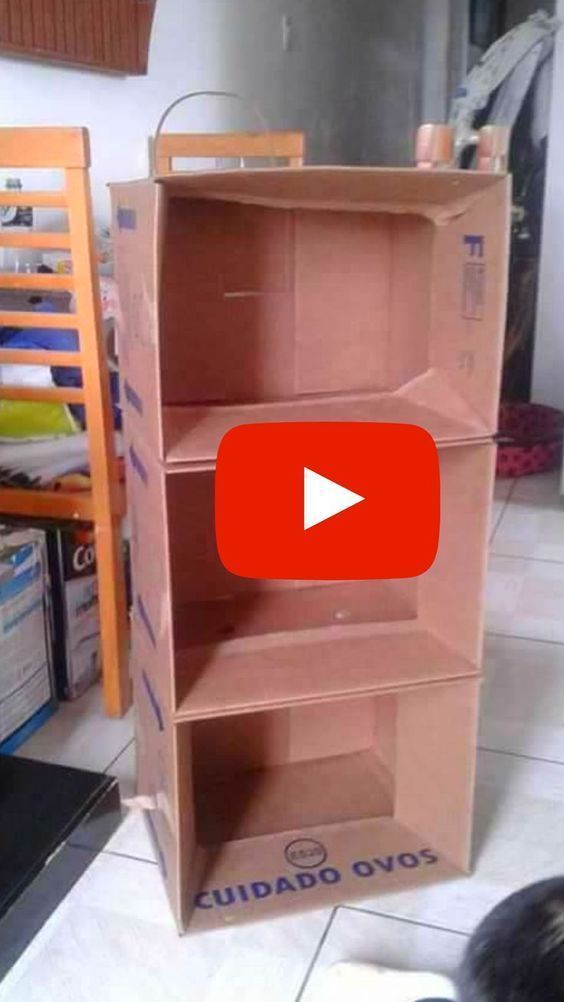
x=306, y=853
x=473, y=277
x=474, y=244
x=315, y=876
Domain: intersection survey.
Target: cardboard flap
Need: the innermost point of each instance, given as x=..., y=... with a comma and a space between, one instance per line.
x=264, y=877
x=436, y=195
x=432, y=386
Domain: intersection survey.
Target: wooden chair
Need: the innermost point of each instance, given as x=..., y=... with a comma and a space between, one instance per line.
x=68, y=150
x=435, y=147
x=288, y=146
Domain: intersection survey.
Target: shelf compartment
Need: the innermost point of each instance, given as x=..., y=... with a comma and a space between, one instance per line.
x=365, y=859
x=292, y=796
x=328, y=664
x=280, y=288
x=193, y=434
x=224, y=640
x=360, y=788
x=301, y=608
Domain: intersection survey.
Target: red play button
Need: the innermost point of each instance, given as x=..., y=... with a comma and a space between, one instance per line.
x=324, y=501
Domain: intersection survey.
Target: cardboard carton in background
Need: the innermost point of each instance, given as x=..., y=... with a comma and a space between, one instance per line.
x=25, y=643
x=74, y=589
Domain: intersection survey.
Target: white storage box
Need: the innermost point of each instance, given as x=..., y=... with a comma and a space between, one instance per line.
x=25, y=668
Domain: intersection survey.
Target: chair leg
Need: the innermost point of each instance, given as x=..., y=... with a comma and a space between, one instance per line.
x=113, y=619
x=103, y=471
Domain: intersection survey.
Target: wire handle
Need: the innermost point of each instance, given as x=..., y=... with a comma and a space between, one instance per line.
x=265, y=128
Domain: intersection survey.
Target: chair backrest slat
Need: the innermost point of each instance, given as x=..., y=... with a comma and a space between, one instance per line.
x=288, y=146
x=49, y=148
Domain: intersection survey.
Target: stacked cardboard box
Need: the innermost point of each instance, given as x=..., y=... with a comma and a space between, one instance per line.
x=306, y=742
x=76, y=617
x=26, y=693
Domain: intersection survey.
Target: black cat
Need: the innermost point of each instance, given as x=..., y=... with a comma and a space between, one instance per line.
x=515, y=955
x=517, y=952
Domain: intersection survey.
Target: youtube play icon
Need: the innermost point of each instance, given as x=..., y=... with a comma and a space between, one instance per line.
x=327, y=501
x=324, y=498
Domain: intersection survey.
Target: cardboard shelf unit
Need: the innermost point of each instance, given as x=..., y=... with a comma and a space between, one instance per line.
x=283, y=770
x=274, y=716
x=360, y=794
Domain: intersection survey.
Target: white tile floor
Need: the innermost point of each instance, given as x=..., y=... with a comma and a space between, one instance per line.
x=113, y=937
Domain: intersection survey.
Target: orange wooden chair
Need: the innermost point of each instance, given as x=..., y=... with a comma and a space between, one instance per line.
x=67, y=149
x=435, y=147
x=289, y=146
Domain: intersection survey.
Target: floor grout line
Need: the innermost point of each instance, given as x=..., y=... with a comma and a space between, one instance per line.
x=316, y=953
x=127, y=855
x=406, y=921
x=501, y=513
x=522, y=556
x=119, y=754
x=530, y=758
x=511, y=490
x=554, y=506
x=518, y=636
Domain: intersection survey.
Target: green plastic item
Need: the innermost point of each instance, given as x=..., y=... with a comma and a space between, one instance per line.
x=24, y=419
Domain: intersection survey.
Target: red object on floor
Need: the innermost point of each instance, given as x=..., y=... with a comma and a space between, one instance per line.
x=530, y=439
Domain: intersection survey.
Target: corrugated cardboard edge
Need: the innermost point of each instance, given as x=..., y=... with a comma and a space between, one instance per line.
x=205, y=185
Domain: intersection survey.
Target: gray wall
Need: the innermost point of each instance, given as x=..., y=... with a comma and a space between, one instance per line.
x=360, y=75
x=316, y=85
x=414, y=55
x=392, y=55
x=352, y=78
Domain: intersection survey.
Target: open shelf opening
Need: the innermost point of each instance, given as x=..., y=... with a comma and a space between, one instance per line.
x=263, y=303
x=272, y=314
x=242, y=642
x=325, y=294
x=262, y=773
x=214, y=607
x=233, y=644
x=362, y=786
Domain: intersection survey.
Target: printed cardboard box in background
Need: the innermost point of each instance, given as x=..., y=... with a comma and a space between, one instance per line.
x=25, y=652
x=74, y=588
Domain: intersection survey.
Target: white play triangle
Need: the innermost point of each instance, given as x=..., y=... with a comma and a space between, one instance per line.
x=324, y=498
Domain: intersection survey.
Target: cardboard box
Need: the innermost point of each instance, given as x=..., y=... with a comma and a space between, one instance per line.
x=366, y=796
x=221, y=644
x=25, y=653
x=305, y=743
x=74, y=590
x=313, y=294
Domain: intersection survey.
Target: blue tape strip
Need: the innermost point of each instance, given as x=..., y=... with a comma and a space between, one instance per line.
x=153, y=701
x=146, y=621
x=132, y=397
x=126, y=219
x=138, y=466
